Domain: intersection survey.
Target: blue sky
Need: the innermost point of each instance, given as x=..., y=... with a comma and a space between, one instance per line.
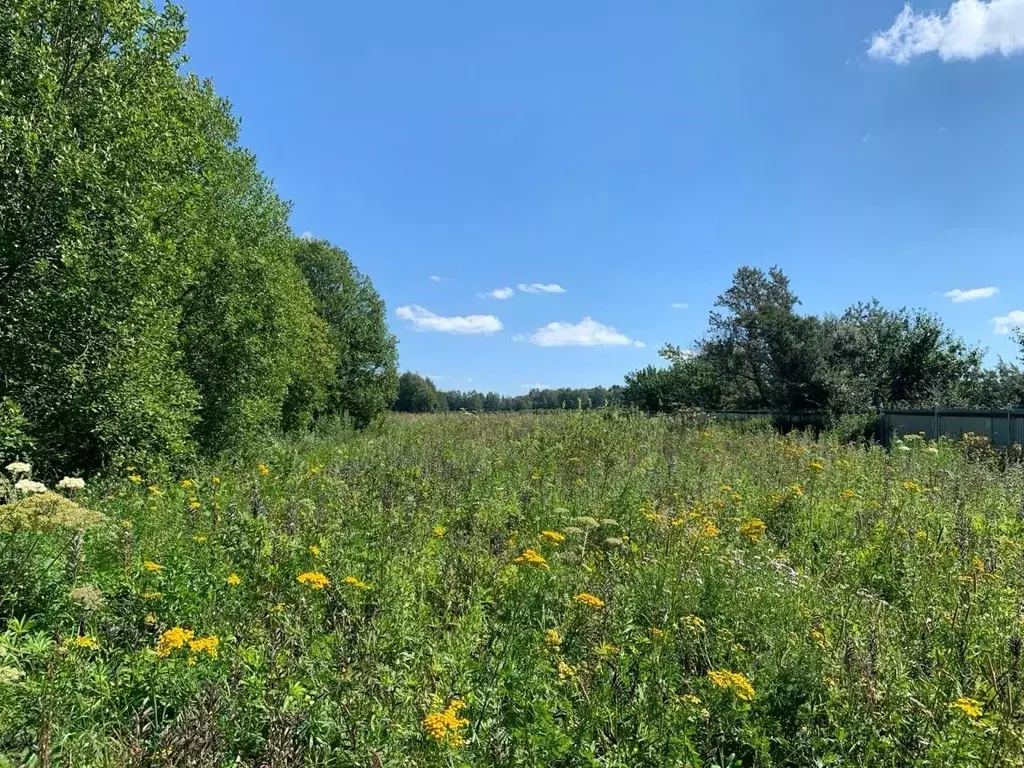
x=616, y=159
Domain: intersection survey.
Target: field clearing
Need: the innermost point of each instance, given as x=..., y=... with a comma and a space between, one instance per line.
x=574, y=589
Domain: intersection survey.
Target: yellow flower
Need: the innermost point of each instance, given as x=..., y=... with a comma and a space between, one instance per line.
x=215, y=480
x=313, y=579
x=753, y=529
x=689, y=698
x=201, y=538
x=970, y=707
x=207, y=645
x=656, y=633
x=263, y=470
x=126, y=524
x=552, y=638
x=736, y=682
x=150, y=618
x=978, y=565
x=708, y=530
x=152, y=595
x=233, y=580
x=446, y=726
x=849, y=493
x=911, y=486
x=149, y=565
x=589, y=600
x=439, y=531
x=135, y=478
x=818, y=637
x=796, y=489
x=187, y=483
x=553, y=536
x=314, y=550
x=155, y=490
x=531, y=557
x=173, y=639
x=604, y=650
x=194, y=504
x=87, y=641
x=352, y=581
x=694, y=624
x=565, y=671
x=816, y=466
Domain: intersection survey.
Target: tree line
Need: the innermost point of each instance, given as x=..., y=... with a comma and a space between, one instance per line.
x=759, y=352
x=155, y=301
x=419, y=394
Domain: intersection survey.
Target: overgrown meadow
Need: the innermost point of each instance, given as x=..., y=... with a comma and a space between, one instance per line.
x=577, y=589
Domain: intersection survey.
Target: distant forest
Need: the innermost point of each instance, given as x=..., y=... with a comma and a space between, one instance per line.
x=418, y=394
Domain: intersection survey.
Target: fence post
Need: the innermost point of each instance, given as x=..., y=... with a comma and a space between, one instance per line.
x=935, y=423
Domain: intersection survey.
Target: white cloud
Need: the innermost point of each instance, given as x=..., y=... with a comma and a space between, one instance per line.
x=1004, y=323
x=541, y=288
x=678, y=305
x=435, y=279
x=970, y=29
x=307, y=235
x=519, y=337
x=971, y=294
x=425, y=320
x=586, y=333
x=499, y=293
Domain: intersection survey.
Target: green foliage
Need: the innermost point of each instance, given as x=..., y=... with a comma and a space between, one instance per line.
x=417, y=394
x=615, y=592
x=152, y=298
x=536, y=399
x=14, y=438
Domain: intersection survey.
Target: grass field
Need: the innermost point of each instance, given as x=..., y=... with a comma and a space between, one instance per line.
x=576, y=589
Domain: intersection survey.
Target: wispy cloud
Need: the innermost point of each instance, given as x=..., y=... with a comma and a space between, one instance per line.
x=586, y=333
x=541, y=288
x=425, y=320
x=1004, y=323
x=435, y=279
x=969, y=30
x=959, y=296
x=678, y=305
x=499, y=293
x=307, y=235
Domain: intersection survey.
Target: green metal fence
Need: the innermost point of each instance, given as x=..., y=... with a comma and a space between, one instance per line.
x=1000, y=427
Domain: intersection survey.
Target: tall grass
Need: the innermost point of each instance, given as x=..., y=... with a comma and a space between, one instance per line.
x=575, y=589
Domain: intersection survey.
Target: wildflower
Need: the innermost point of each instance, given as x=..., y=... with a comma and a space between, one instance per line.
x=694, y=624
x=152, y=595
x=155, y=490
x=911, y=486
x=87, y=641
x=19, y=468
x=352, y=581
x=565, y=671
x=657, y=634
x=446, y=726
x=736, y=682
x=186, y=483
x=199, y=537
x=71, y=483
x=88, y=596
x=531, y=557
x=818, y=637
x=552, y=638
x=194, y=504
x=150, y=618
x=48, y=511
x=978, y=565
x=553, y=536
x=849, y=493
x=970, y=707
x=313, y=579
x=29, y=486
x=796, y=489
x=173, y=639
x=137, y=479
x=10, y=675
x=816, y=466
x=233, y=580
x=215, y=480
x=586, y=521
x=753, y=529
x=263, y=470
x=315, y=551
x=439, y=531
x=708, y=530
x=589, y=600
x=692, y=700
x=932, y=450
x=149, y=565
x=207, y=645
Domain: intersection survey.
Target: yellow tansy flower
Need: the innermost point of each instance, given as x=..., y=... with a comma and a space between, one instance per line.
x=233, y=579
x=446, y=727
x=736, y=682
x=313, y=579
x=531, y=557
x=589, y=600
x=149, y=565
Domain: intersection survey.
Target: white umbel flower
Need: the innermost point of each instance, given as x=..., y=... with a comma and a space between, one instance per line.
x=19, y=468
x=29, y=486
x=71, y=483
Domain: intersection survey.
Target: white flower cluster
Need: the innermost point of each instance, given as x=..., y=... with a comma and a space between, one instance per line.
x=29, y=486
x=71, y=483
x=19, y=468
